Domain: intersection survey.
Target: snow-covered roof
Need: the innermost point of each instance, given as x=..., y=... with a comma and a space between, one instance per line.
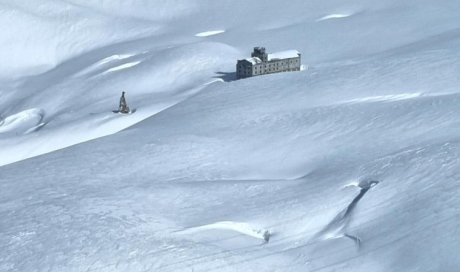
x=254, y=60
x=274, y=56
x=284, y=55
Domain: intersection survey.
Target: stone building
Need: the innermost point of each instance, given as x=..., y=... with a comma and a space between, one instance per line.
x=261, y=63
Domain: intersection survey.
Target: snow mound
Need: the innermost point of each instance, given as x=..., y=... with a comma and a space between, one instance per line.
x=240, y=227
x=209, y=33
x=334, y=16
x=22, y=123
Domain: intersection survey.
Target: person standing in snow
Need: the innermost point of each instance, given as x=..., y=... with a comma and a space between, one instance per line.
x=123, y=107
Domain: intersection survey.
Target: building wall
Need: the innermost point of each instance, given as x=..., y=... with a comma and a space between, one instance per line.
x=246, y=69
x=276, y=66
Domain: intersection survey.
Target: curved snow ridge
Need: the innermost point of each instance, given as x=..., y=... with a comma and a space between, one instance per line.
x=213, y=81
x=334, y=16
x=22, y=122
x=381, y=98
x=240, y=227
x=115, y=57
x=123, y=66
x=209, y=33
x=110, y=64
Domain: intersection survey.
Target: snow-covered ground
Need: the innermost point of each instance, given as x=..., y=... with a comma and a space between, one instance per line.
x=349, y=165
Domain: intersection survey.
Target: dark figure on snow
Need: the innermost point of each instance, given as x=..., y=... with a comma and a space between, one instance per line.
x=123, y=108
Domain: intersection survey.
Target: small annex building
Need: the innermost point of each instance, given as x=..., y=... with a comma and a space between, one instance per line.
x=261, y=63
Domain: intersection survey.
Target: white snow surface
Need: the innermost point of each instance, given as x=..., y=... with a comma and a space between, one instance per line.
x=209, y=33
x=207, y=165
x=284, y=55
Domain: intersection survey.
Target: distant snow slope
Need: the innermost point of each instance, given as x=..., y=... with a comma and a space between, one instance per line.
x=79, y=96
x=208, y=165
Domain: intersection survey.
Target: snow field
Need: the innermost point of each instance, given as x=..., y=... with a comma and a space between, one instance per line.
x=207, y=164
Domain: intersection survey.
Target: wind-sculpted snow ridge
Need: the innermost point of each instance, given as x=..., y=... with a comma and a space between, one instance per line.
x=337, y=228
x=240, y=227
x=23, y=122
x=123, y=66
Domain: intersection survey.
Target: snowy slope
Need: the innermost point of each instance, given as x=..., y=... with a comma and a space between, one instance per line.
x=209, y=169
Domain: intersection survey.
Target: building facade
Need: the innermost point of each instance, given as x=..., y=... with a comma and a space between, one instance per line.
x=261, y=63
